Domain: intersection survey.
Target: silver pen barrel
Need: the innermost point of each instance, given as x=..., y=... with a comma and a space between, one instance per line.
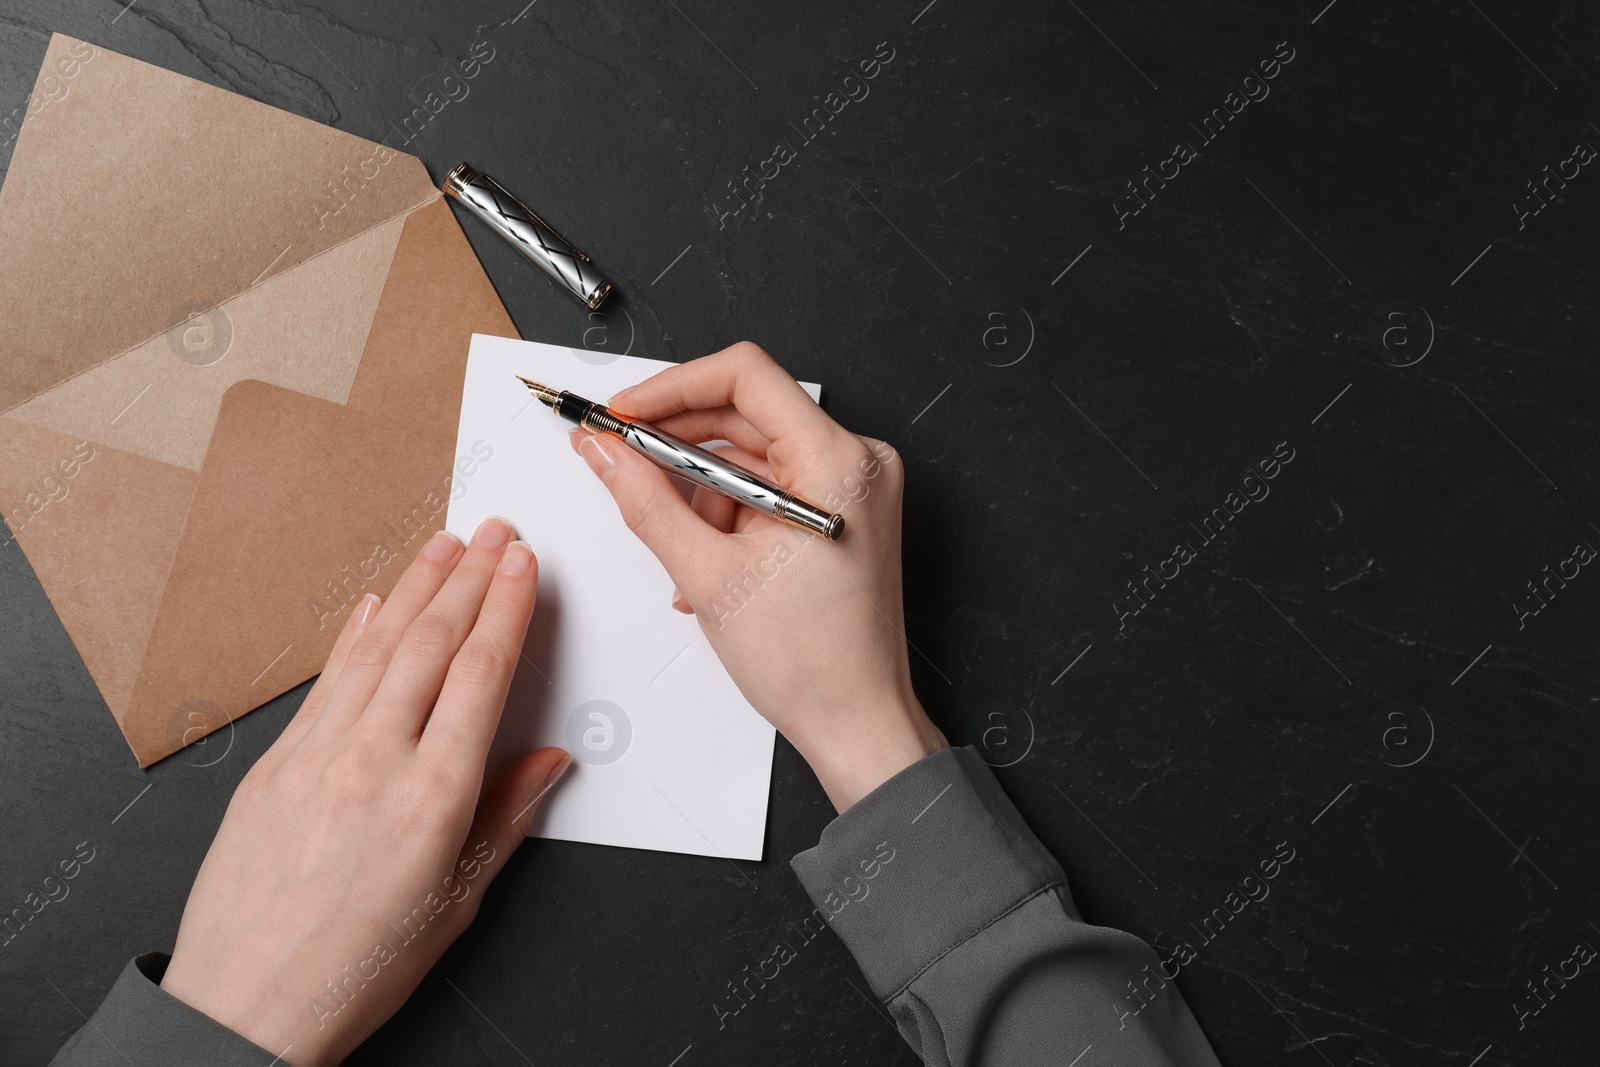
x=528, y=233
x=690, y=462
x=705, y=468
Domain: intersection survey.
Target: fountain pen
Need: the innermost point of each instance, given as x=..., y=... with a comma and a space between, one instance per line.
x=690, y=462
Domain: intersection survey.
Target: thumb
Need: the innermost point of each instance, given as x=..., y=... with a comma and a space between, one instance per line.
x=508, y=808
x=651, y=505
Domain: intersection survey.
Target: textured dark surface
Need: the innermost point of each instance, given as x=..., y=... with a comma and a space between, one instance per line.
x=1235, y=712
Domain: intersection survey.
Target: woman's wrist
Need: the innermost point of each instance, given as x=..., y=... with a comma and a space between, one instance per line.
x=850, y=764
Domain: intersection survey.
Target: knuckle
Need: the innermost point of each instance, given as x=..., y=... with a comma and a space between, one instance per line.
x=642, y=517
x=350, y=774
x=881, y=459
x=432, y=635
x=482, y=663
x=699, y=589
x=295, y=778
x=372, y=651
x=751, y=353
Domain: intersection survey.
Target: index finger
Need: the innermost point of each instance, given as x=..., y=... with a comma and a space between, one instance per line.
x=473, y=696
x=743, y=376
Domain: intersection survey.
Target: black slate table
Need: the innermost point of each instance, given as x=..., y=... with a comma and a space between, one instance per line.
x=1096, y=272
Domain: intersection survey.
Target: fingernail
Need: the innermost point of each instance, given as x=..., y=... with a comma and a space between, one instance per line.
x=596, y=456
x=517, y=560
x=679, y=603
x=366, y=610
x=441, y=546
x=620, y=398
x=492, y=532
x=526, y=816
x=555, y=775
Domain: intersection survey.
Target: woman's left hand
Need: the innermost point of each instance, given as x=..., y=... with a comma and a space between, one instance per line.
x=356, y=850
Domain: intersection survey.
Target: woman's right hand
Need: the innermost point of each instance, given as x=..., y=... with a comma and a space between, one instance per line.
x=812, y=631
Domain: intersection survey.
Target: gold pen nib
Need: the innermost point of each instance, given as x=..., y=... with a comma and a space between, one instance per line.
x=543, y=393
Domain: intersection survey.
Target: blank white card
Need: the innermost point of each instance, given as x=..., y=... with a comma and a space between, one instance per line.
x=667, y=753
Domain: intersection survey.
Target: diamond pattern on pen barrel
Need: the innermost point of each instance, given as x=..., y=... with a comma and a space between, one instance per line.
x=536, y=240
x=707, y=470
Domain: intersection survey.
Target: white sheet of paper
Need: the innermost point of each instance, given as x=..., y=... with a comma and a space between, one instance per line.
x=667, y=753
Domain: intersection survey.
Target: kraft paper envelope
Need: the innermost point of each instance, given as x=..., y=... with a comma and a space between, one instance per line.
x=232, y=363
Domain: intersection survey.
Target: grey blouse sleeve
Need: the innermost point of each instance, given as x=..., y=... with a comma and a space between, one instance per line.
x=142, y=1025
x=963, y=925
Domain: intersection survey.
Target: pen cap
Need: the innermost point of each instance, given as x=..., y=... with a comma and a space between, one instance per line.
x=486, y=198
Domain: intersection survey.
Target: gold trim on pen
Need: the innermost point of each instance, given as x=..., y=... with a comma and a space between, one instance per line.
x=601, y=420
x=458, y=179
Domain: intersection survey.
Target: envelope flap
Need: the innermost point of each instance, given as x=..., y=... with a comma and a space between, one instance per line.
x=326, y=519
x=303, y=504
x=137, y=197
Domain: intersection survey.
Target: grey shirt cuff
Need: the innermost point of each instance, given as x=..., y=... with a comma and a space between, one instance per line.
x=140, y=1023
x=922, y=864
